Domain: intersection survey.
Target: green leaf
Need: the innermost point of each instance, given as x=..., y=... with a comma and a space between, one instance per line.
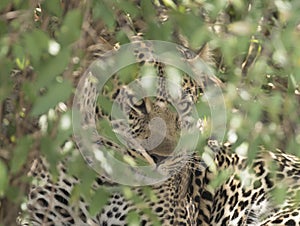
x=253, y=150
x=13, y=193
x=36, y=43
x=3, y=178
x=20, y=4
x=64, y=133
x=101, y=10
x=129, y=8
x=71, y=28
x=29, y=91
x=170, y=4
x=53, y=6
x=105, y=103
x=127, y=74
x=106, y=130
x=49, y=149
x=188, y=23
x=19, y=51
x=58, y=92
x=3, y=32
x=279, y=194
x=87, y=177
x=274, y=104
x=99, y=199
x=148, y=10
x=255, y=110
x=20, y=153
x=133, y=218
x=51, y=68
x=3, y=4
x=6, y=84
x=160, y=32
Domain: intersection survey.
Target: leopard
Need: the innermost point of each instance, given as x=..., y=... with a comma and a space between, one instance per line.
x=188, y=195
x=176, y=199
x=247, y=196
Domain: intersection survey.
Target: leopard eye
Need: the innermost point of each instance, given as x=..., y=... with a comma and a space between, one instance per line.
x=183, y=107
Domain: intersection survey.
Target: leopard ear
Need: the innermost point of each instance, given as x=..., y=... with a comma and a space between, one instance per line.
x=205, y=54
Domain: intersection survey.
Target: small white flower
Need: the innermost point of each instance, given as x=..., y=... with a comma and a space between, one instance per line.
x=24, y=206
x=242, y=150
x=68, y=146
x=232, y=136
x=62, y=107
x=51, y=114
x=53, y=48
x=65, y=122
x=43, y=123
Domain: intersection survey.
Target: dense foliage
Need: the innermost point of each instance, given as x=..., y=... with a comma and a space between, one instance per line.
x=46, y=45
